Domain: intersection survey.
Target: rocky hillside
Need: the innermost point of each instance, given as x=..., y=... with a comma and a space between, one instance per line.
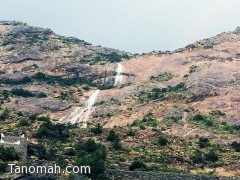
x=185, y=96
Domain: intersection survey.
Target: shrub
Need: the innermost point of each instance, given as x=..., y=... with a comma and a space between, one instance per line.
x=9, y=154
x=24, y=122
x=211, y=156
x=111, y=136
x=130, y=133
x=92, y=154
x=22, y=92
x=197, y=157
x=236, y=146
x=137, y=165
x=3, y=167
x=98, y=129
x=162, y=141
x=203, y=142
x=5, y=114
x=116, y=143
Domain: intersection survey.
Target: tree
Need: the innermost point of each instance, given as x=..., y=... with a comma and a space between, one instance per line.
x=98, y=129
x=203, y=142
x=197, y=157
x=5, y=114
x=111, y=136
x=116, y=143
x=162, y=141
x=9, y=154
x=137, y=165
x=212, y=156
x=91, y=154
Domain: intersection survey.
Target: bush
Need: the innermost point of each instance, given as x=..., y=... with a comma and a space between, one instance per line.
x=162, y=141
x=9, y=154
x=116, y=143
x=24, y=122
x=236, y=146
x=48, y=130
x=211, y=156
x=137, y=165
x=5, y=114
x=3, y=167
x=130, y=133
x=197, y=157
x=92, y=154
x=111, y=136
x=98, y=129
x=203, y=142
x=22, y=92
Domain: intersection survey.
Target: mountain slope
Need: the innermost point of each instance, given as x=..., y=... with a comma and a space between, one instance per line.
x=174, y=111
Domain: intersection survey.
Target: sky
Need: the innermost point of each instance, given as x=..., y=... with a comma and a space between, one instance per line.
x=136, y=26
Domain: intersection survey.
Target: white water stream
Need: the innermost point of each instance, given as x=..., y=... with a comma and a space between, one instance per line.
x=81, y=114
x=119, y=76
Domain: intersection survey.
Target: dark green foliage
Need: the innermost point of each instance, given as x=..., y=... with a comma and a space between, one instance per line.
x=211, y=156
x=22, y=92
x=207, y=121
x=197, y=157
x=147, y=120
x=26, y=93
x=9, y=154
x=116, y=143
x=4, y=114
x=130, y=133
x=25, y=80
x=111, y=57
x=41, y=152
x=59, y=80
x=157, y=93
x=105, y=86
x=203, y=142
x=236, y=146
x=162, y=140
x=48, y=130
x=137, y=165
x=3, y=167
x=98, y=129
x=24, y=122
x=162, y=77
x=111, y=136
x=91, y=154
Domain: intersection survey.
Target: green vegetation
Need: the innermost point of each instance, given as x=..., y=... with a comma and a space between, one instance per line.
x=162, y=140
x=157, y=93
x=147, y=120
x=97, y=130
x=193, y=69
x=203, y=158
x=162, y=77
x=26, y=93
x=112, y=136
x=139, y=165
x=4, y=114
x=236, y=146
x=203, y=142
x=111, y=57
x=48, y=130
x=92, y=154
x=212, y=122
x=9, y=154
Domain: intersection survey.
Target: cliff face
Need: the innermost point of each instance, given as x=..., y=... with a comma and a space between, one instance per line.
x=191, y=92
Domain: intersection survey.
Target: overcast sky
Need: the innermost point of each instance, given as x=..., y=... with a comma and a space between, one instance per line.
x=130, y=25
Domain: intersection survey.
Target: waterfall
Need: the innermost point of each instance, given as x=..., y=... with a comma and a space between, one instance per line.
x=118, y=77
x=81, y=114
